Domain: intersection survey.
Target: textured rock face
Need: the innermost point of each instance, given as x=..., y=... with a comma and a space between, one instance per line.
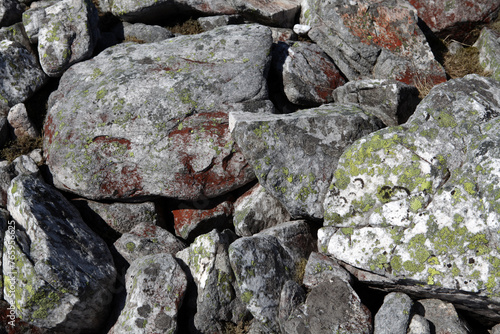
x=394, y=314
x=63, y=273
x=35, y=17
x=163, y=129
x=365, y=38
x=442, y=316
x=488, y=44
x=419, y=201
x=295, y=155
x=142, y=32
x=18, y=119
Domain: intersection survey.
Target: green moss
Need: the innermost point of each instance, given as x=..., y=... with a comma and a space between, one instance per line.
x=130, y=246
x=246, y=296
x=396, y=263
x=347, y=230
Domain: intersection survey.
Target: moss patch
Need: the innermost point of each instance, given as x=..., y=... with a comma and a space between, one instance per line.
x=189, y=27
x=20, y=146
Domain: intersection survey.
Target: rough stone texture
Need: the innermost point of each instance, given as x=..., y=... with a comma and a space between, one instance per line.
x=16, y=33
x=261, y=267
x=488, y=44
x=495, y=329
x=20, y=326
x=19, y=120
x=155, y=286
x=455, y=19
x=330, y=307
x=394, y=314
x=391, y=101
x=69, y=36
x=419, y=202
x=256, y=210
x=309, y=76
x=10, y=12
x=366, y=38
x=212, y=22
x=63, y=273
x=21, y=75
x=35, y=18
x=189, y=223
x=419, y=325
x=292, y=295
x=442, y=316
x=280, y=13
x=152, y=118
x=283, y=35
x=320, y=268
x=147, y=239
x=218, y=301
x=141, y=32
x=295, y=155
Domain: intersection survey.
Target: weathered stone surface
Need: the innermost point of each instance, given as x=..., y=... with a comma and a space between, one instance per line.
x=394, y=314
x=218, y=301
x=261, y=267
x=62, y=273
x=495, y=329
x=488, y=44
x=455, y=19
x=320, y=268
x=141, y=32
x=155, y=286
x=292, y=295
x=147, y=239
x=19, y=120
x=10, y=12
x=301, y=29
x=391, y=101
x=281, y=13
x=212, y=22
x=442, y=316
x=16, y=33
x=295, y=155
x=35, y=18
x=419, y=325
x=419, y=201
x=21, y=75
x=69, y=35
x=283, y=35
x=365, y=38
x=309, y=76
x=160, y=125
x=256, y=210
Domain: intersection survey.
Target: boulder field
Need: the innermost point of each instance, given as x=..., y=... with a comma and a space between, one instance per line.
x=263, y=167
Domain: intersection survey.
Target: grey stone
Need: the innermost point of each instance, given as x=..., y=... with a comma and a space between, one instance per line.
x=142, y=32
x=275, y=13
x=394, y=314
x=495, y=329
x=320, y=268
x=19, y=120
x=35, y=18
x=442, y=316
x=294, y=156
x=16, y=33
x=212, y=22
x=292, y=295
x=301, y=29
x=454, y=47
x=283, y=35
x=488, y=44
x=419, y=325
x=10, y=12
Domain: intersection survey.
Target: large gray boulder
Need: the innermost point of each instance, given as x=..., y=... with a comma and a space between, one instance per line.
x=419, y=202
x=63, y=274
x=294, y=155
x=152, y=119
x=36, y=17
x=442, y=316
x=488, y=44
x=394, y=315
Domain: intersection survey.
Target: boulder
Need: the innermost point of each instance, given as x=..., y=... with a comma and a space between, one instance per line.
x=212, y=22
x=10, y=12
x=418, y=202
x=16, y=33
x=69, y=35
x=442, y=316
x=488, y=44
x=152, y=118
x=19, y=120
x=155, y=286
x=141, y=33
x=274, y=13
x=292, y=295
x=36, y=17
x=294, y=155
x=394, y=315
x=62, y=276
x=283, y=35
x=320, y=268
x=373, y=39
x=419, y=325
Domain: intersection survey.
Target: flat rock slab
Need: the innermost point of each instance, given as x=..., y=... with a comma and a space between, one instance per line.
x=294, y=155
x=153, y=119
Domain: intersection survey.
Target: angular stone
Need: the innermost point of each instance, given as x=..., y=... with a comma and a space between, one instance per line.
x=141, y=32
x=488, y=44
x=19, y=120
x=419, y=325
x=10, y=12
x=155, y=286
x=16, y=33
x=394, y=314
x=320, y=268
x=292, y=295
x=256, y=210
x=274, y=13
x=35, y=18
x=442, y=316
x=63, y=274
x=162, y=130
x=393, y=102
x=294, y=156
x=283, y=35
x=212, y=22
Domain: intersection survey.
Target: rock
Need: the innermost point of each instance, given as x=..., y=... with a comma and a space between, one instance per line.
x=156, y=286
x=330, y=307
x=62, y=275
x=292, y=295
x=218, y=301
x=455, y=19
x=320, y=268
x=10, y=12
x=19, y=120
x=367, y=39
x=442, y=316
x=274, y=13
x=417, y=202
x=22, y=77
x=454, y=47
x=394, y=314
x=261, y=267
x=35, y=18
x=16, y=33
x=212, y=22
x=147, y=239
x=495, y=329
x=283, y=35
x=295, y=155
x=419, y=325
x=301, y=29
x=488, y=44
x=163, y=130
x=24, y=165
x=141, y=32
x=256, y=210
x=309, y=76
x=391, y=101
x=69, y=36
x=9, y=321
x=189, y=223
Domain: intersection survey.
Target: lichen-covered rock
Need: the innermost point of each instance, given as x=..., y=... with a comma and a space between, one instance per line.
x=35, y=18
x=276, y=13
x=63, y=275
x=10, y=12
x=419, y=201
x=309, y=76
x=442, y=316
x=16, y=33
x=19, y=120
x=147, y=239
x=256, y=210
x=366, y=38
x=212, y=22
x=391, y=101
x=261, y=267
x=21, y=76
x=488, y=44
x=419, y=325
x=218, y=301
x=394, y=314
x=155, y=286
x=68, y=36
x=152, y=119
x=320, y=268
x=295, y=155
x=141, y=32
x=292, y=295
x=283, y=35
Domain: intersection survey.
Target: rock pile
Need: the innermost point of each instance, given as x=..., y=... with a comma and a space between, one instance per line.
x=276, y=173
